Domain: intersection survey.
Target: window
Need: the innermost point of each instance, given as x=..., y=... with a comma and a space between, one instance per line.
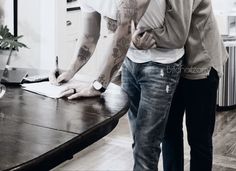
x=8, y=14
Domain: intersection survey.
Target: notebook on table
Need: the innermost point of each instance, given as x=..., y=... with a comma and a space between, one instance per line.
x=47, y=89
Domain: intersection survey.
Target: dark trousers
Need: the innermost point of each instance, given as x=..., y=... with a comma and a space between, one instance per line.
x=197, y=98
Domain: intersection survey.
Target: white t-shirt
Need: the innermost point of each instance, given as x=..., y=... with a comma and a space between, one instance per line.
x=153, y=18
x=106, y=8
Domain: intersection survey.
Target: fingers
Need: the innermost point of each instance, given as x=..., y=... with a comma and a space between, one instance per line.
x=84, y=93
x=74, y=96
x=62, y=78
x=78, y=92
x=136, y=37
x=65, y=76
x=52, y=78
x=152, y=44
x=150, y=38
x=68, y=92
x=146, y=37
x=144, y=42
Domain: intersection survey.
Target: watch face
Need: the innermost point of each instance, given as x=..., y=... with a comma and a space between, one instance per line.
x=97, y=85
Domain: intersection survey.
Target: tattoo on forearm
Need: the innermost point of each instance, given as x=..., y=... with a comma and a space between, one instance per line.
x=127, y=11
x=121, y=48
x=111, y=24
x=118, y=54
x=84, y=54
x=102, y=79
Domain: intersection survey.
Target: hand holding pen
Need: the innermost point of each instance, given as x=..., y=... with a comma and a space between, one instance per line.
x=57, y=77
x=54, y=75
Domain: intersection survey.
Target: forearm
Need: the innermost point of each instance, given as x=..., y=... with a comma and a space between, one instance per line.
x=85, y=50
x=129, y=11
x=90, y=32
x=115, y=55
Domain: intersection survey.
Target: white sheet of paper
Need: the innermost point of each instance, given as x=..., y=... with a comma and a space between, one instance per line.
x=47, y=89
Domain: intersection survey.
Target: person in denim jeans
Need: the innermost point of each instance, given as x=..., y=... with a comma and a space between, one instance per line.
x=150, y=87
x=192, y=24
x=150, y=77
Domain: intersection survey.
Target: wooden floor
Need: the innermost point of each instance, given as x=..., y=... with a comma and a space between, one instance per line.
x=113, y=153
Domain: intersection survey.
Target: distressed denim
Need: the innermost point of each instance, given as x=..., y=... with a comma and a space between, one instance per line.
x=150, y=87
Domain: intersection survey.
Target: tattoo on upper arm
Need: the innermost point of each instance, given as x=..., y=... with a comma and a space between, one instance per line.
x=129, y=10
x=111, y=24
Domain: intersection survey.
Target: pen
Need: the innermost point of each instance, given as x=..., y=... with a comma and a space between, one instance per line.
x=57, y=68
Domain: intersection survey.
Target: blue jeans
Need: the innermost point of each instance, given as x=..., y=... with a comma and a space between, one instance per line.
x=150, y=87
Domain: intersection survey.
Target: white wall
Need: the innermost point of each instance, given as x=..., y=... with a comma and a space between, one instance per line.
x=29, y=26
x=38, y=23
x=224, y=5
x=49, y=32
x=223, y=9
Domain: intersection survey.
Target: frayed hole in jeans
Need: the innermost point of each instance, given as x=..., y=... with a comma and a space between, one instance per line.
x=162, y=73
x=167, y=89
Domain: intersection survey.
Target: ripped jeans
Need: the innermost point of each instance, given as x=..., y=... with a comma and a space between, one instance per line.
x=150, y=87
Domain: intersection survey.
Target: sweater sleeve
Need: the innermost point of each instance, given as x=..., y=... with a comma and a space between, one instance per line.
x=174, y=32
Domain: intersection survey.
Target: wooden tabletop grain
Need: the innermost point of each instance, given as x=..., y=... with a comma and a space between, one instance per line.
x=38, y=133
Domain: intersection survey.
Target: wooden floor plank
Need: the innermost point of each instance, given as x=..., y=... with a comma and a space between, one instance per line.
x=117, y=146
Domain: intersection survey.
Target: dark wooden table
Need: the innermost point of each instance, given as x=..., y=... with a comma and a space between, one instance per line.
x=38, y=133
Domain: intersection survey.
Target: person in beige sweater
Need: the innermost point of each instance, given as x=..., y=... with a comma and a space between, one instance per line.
x=191, y=24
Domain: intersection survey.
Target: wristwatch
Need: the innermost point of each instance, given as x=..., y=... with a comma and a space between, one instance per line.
x=98, y=86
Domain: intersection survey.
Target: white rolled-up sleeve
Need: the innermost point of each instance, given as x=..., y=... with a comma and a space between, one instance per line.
x=106, y=8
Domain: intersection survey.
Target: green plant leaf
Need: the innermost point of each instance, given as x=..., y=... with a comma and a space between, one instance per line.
x=9, y=41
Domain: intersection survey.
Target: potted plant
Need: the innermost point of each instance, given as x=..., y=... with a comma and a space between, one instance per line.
x=9, y=42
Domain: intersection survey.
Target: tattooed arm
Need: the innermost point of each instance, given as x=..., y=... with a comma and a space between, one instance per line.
x=120, y=29
x=129, y=11
x=86, y=46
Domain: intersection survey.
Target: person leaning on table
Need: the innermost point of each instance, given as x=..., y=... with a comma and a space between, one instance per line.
x=119, y=15
x=191, y=23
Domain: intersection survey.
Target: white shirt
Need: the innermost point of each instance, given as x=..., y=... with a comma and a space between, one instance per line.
x=153, y=18
x=106, y=8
